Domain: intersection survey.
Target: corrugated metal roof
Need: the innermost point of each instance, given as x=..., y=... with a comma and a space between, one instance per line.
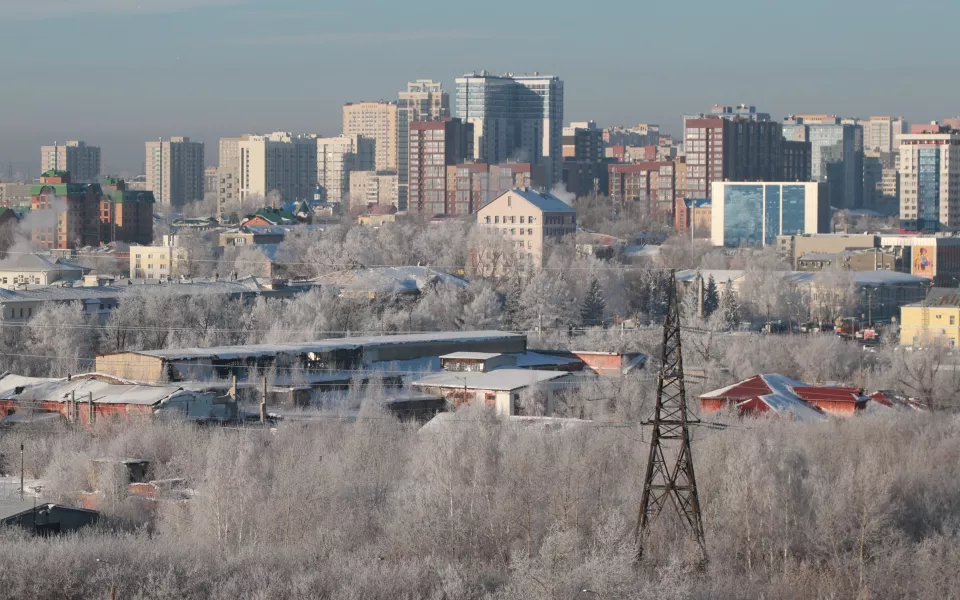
x=503, y=380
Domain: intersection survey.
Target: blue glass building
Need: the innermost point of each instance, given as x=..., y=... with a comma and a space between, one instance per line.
x=754, y=214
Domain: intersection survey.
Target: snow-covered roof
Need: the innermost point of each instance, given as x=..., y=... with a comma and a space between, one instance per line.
x=389, y=280
x=502, y=380
x=535, y=359
x=328, y=345
x=542, y=200
x=447, y=420
x=860, y=278
x=471, y=355
x=38, y=263
x=776, y=392
x=18, y=387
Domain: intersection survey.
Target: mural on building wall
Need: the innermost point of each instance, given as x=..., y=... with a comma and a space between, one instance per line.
x=924, y=261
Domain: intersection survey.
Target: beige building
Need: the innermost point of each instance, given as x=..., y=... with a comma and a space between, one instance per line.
x=881, y=133
x=791, y=247
x=279, y=162
x=81, y=160
x=373, y=188
x=337, y=157
x=377, y=121
x=157, y=262
x=175, y=171
x=37, y=269
x=526, y=219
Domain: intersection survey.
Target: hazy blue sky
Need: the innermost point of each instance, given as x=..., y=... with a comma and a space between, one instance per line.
x=119, y=72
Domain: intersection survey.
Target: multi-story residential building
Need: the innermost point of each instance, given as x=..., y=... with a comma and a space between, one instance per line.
x=434, y=146
x=158, y=261
x=583, y=142
x=748, y=213
x=740, y=111
x=796, y=161
x=644, y=134
x=337, y=157
x=278, y=162
x=730, y=148
x=836, y=154
x=175, y=171
x=510, y=175
x=880, y=133
x=693, y=217
x=424, y=100
x=936, y=257
x=930, y=180
x=514, y=118
x=210, y=180
x=468, y=187
x=376, y=121
x=585, y=178
x=651, y=185
x=77, y=210
x=75, y=157
x=527, y=219
x=373, y=188
x=13, y=195
x=125, y=215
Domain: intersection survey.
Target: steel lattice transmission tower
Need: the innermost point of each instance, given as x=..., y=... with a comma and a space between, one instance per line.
x=670, y=477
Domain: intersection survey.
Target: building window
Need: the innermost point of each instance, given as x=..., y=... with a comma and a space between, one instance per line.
x=521, y=220
x=953, y=320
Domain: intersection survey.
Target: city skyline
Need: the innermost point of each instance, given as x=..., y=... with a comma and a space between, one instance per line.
x=845, y=72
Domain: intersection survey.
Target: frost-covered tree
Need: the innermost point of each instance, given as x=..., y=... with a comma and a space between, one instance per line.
x=711, y=297
x=593, y=306
x=483, y=310
x=547, y=302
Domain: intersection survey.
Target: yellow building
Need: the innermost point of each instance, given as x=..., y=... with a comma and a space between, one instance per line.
x=935, y=320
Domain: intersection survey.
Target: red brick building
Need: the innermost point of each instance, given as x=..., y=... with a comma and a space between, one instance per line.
x=433, y=147
x=651, y=184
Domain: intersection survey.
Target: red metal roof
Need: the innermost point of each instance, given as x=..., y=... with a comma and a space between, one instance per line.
x=829, y=394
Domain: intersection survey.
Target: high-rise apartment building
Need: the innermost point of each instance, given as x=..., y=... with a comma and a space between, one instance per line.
x=376, y=121
x=930, y=181
x=337, y=157
x=583, y=142
x=796, y=161
x=740, y=111
x=651, y=185
x=509, y=175
x=836, y=154
x=373, y=188
x=75, y=157
x=434, y=146
x=468, y=187
x=424, y=100
x=514, y=118
x=880, y=133
x=730, y=148
x=175, y=171
x=277, y=162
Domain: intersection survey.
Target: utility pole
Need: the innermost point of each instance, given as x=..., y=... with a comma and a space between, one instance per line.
x=21, y=471
x=263, y=402
x=670, y=475
x=92, y=416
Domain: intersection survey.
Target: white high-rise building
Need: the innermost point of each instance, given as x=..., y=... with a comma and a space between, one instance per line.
x=337, y=157
x=880, y=133
x=81, y=160
x=175, y=170
x=277, y=162
x=517, y=118
x=929, y=182
x=424, y=100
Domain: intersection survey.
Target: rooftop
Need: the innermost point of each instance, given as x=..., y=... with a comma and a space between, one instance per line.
x=543, y=200
x=499, y=379
x=38, y=263
x=328, y=345
x=471, y=355
x=19, y=387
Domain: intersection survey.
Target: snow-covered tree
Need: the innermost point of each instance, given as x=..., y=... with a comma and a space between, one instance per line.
x=591, y=311
x=711, y=297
